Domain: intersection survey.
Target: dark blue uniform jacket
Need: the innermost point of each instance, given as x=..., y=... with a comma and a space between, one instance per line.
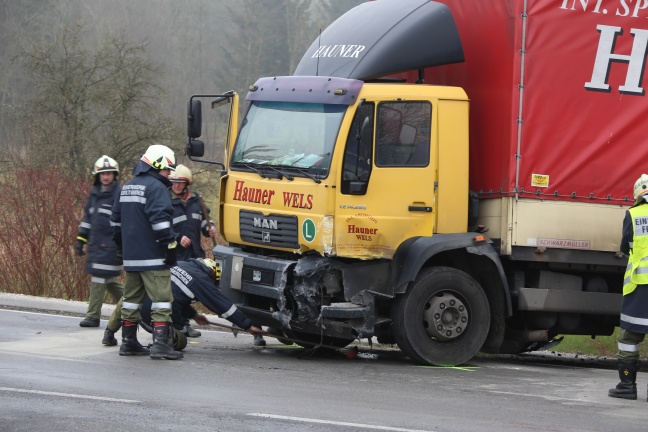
x=95, y=227
x=143, y=217
x=188, y=221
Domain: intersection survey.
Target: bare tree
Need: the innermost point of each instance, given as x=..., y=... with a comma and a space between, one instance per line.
x=90, y=102
x=203, y=46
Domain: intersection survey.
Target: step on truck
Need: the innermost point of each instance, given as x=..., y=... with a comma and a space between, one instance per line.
x=449, y=176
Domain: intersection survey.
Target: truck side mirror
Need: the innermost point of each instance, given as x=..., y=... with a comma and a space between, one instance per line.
x=194, y=119
x=195, y=148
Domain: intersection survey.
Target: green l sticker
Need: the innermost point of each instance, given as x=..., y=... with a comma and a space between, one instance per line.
x=308, y=230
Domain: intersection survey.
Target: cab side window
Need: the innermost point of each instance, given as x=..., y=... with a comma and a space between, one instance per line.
x=403, y=134
x=357, y=163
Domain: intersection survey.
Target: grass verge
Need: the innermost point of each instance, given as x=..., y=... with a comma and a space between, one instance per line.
x=601, y=346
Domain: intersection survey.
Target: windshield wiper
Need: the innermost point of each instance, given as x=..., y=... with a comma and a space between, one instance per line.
x=283, y=173
x=313, y=177
x=250, y=167
x=259, y=168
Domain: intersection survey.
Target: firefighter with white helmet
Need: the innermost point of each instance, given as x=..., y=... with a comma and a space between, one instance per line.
x=640, y=187
x=159, y=157
x=193, y=281
x=634, y=307
x=103, y=262
x=142, y=221
x=188, y=217
x=189, y=221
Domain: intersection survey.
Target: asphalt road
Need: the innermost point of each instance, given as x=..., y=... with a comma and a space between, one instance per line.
x=56, y=376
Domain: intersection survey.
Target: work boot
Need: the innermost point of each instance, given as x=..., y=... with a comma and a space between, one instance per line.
x=89, y=322
x=190, y=332
x=109, y=338
x=627, y=388
x=130, y=345
x=259, y=341
x=162, y=347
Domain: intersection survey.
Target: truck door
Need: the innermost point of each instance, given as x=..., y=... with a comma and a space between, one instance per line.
x=387, y=188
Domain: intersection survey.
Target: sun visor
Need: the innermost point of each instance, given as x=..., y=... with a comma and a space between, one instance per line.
x=384, y=37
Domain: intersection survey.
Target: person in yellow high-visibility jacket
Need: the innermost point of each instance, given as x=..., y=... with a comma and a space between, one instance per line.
x=634, y=308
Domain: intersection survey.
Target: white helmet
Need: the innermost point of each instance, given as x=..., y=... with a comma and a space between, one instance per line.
x=105, y=164
x=159, y=157
x=181, y=174
x=641, y=186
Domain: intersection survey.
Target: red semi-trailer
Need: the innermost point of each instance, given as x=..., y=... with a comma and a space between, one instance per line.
x=557, y=97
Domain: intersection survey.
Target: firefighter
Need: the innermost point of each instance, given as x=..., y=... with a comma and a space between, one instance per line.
x=634, y=308
x=189, y=221
x=142, y=224
x=191, y=281
x=103, y=262
x=188, y=218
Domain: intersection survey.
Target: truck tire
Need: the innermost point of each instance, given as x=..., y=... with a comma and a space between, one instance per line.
x=442, y=319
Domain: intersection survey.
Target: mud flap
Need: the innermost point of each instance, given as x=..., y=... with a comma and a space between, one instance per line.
x=543, y=346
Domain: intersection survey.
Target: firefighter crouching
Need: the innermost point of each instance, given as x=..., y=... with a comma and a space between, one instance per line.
x=191, y=281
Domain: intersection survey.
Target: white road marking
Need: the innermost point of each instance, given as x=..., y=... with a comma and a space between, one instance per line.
x=70, y=395
x=77, y=317
x=547, y=397
x=41, y=313
x=336, y=423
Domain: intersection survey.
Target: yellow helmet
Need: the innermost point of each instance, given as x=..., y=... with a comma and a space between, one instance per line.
x=640, y=187
x=105, y=164
x=181, y=174
x=213, y=266
x=159, y=157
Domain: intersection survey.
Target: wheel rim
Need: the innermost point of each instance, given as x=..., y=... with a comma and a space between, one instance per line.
x=445, y=316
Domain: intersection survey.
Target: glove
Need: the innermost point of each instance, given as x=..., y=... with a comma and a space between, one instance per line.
x=78, y=247
x=171, y=258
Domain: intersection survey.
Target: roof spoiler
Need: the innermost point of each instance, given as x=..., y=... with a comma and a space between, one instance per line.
x=384, y=37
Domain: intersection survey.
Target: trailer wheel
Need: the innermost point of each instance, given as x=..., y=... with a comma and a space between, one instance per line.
x=442, y=319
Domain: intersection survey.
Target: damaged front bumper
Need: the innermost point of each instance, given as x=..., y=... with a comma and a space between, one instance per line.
x=312, y=294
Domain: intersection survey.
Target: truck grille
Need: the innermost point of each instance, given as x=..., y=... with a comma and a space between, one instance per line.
x=271, y=230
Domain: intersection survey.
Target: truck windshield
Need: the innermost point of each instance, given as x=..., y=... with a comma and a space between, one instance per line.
x=299, y=137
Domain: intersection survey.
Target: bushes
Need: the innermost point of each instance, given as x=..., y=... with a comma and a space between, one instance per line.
x=39, y=220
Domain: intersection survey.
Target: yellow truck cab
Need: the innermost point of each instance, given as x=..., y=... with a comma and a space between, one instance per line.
x=320, y=170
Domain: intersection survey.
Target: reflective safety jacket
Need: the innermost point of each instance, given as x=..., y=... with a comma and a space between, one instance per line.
x=142, y=218
x=188, y=221
x=637, y=269
x=95, y=227
x=191, y=282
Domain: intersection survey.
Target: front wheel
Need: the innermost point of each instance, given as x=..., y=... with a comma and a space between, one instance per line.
x=442, y=319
